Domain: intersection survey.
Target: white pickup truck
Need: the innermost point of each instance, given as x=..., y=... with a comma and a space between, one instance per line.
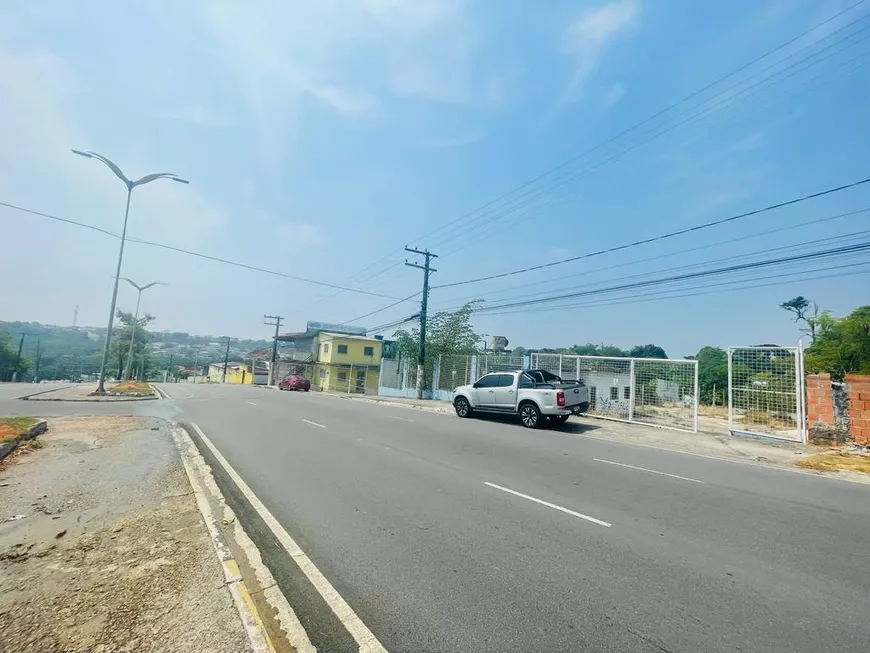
x=534, y=395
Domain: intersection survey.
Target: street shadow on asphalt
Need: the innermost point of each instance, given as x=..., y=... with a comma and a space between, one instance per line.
x=564, y=427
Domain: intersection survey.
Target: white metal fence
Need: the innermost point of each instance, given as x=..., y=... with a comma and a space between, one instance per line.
x=659, y=392
x=766, y=392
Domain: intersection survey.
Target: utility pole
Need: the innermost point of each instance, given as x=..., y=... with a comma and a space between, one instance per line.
x=275, y=322
x=226, y=360
x=38, y=356
x=18, y=357
x=421, y=361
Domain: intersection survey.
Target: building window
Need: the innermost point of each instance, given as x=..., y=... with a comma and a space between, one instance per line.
x=614, y=393
x=325, y=348
x=369, y=351
x=342, y=376
x=593, y=392
x=341, y=349
x=626, y=392
x=322, y=373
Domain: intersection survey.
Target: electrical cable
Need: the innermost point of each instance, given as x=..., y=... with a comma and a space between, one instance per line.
x=660, y=237
x=208, y=257
x=619, y=135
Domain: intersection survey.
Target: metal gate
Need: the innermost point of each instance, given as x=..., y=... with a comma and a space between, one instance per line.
x=653, y=391
x=766, y=392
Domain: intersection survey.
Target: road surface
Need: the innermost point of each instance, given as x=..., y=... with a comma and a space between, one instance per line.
x=478, y=535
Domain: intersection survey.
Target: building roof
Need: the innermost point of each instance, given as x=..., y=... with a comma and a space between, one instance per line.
x=349, y=337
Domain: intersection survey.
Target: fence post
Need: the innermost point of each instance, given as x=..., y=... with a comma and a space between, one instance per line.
x=404, y=366
x=560, y=366
x=697, y=398
x=631, y=390
x=380, y=376
x=349, y=378
x=474, y=375
x=436, y=375
x=730, y=392
x=799, y=388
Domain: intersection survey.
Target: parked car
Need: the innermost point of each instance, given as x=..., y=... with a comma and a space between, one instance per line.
x=535, y=396
x=295, y=382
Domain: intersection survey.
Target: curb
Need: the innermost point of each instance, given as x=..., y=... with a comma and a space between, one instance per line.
x=439, y=407
x=9, y=446
x=41, y=392
x=248, y=613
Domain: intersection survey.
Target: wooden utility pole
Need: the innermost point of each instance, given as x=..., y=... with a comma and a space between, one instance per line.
x=226, y=360
x=275, y=322
x=428, y=256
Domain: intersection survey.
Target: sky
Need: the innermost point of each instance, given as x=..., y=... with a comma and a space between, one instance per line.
x=321, y=138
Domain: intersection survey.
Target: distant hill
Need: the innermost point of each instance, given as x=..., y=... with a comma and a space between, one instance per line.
x=67, y=351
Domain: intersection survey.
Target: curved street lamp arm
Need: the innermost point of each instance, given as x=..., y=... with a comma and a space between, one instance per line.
x=109, y=164
x=159, y=175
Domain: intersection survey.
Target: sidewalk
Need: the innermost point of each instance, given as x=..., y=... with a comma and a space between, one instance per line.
x=103, y=546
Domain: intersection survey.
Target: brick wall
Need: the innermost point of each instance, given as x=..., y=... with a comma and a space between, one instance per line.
x=859, y=408
x=838, y=412
x=820, y=405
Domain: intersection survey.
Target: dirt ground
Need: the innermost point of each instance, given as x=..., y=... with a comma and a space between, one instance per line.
x=103, y=549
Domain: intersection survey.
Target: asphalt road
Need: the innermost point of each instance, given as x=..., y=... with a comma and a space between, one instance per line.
x=470, y=535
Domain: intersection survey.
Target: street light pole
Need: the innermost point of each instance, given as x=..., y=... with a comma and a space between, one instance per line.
x=140, y=289
x=130, y=185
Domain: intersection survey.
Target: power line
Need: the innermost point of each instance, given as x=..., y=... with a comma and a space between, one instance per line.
x=208, y=257
x=619, y=135
x=671, y=234
x=670, y=254
x=725, y=286
x=527, y=199
x=857, y=248
x=380, y=310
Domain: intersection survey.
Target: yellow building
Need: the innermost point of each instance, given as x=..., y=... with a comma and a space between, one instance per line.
x=347, y=363
x=238, y=373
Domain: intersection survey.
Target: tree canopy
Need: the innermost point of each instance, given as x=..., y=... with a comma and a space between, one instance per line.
x=8, y=354
x=841, y=345
x=804, y=310
x=446, y=333
x=712, y=374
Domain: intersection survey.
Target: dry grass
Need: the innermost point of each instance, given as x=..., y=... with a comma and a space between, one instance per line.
x=831, y=462
x=12, y=427
x=713, y=411
x=130, y=388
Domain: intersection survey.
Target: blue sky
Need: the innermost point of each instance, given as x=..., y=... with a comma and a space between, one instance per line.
x=319, y=138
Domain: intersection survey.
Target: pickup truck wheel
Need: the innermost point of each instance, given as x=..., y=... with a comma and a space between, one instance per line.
x=530, y=416
x=463, y=408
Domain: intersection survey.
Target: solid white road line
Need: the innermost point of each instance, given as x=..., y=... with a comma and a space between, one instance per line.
x=651, y=471
x=308, y=421
x=401, y=419
x=550, y=505
x=252, y=403
x=358, y=630
x=164, y=393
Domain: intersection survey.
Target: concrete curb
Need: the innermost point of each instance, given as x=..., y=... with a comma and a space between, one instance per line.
x=42, y=392
x=111, y=398
x=248, y=613
x=6, y=448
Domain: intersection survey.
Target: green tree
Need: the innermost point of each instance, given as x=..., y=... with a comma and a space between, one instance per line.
x=8, y=356
x=519, y=351
x=804, y=310
x=446, y=333
x=841, y=345
x=712, y=374
x=647, y=351
x=130, y=328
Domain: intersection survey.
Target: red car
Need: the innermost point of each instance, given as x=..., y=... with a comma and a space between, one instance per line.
x=294, y=382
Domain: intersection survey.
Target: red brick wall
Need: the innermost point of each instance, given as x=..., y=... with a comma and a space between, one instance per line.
x=820, y=407
x=859, y=408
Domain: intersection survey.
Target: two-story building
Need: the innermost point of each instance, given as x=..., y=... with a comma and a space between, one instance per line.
x=347, y=363
x=337, y=358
